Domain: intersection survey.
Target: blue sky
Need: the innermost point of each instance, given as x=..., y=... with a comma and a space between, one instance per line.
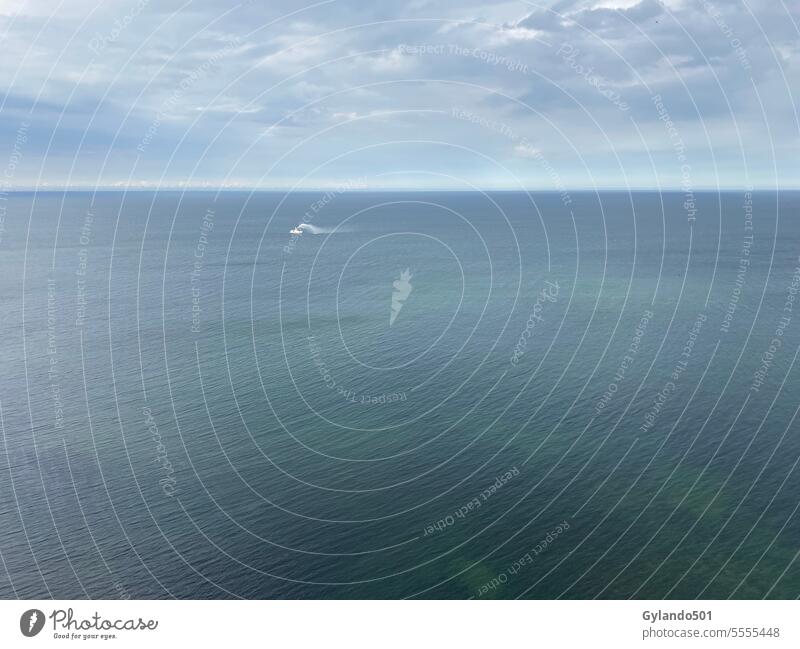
x=597, y=93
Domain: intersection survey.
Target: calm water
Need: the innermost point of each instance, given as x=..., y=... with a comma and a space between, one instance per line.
x=579, y=395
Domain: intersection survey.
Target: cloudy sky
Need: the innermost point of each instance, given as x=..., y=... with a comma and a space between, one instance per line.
x=446, y=94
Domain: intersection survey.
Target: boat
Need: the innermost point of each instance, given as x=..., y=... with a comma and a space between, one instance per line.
x=295, y=231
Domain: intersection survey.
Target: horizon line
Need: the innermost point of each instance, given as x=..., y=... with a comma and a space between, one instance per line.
x=343, y=188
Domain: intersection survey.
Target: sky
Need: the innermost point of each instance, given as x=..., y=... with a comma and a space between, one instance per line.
x=411, y=94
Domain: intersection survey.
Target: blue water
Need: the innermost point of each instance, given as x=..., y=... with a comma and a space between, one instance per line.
x=580, y=395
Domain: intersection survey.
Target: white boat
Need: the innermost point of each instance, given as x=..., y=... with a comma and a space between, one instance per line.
x=295, y=231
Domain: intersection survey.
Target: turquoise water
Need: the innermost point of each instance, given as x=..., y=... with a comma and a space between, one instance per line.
x=579, y=395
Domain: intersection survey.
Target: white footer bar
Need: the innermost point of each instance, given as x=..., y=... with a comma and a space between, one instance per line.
x=387, y=624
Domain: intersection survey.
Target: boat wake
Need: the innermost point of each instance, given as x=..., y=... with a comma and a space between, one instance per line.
x=313, y=229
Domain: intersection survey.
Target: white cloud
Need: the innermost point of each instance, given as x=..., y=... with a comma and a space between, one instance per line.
x=322, y=66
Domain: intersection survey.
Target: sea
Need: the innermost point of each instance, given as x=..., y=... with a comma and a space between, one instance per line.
x=426, y=394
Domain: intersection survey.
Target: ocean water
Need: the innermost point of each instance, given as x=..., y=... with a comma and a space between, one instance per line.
x=426, y=394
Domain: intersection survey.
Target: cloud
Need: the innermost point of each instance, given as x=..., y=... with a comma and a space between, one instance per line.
x=328, y=79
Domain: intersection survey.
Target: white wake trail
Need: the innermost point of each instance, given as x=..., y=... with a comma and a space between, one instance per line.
x=313, y=229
